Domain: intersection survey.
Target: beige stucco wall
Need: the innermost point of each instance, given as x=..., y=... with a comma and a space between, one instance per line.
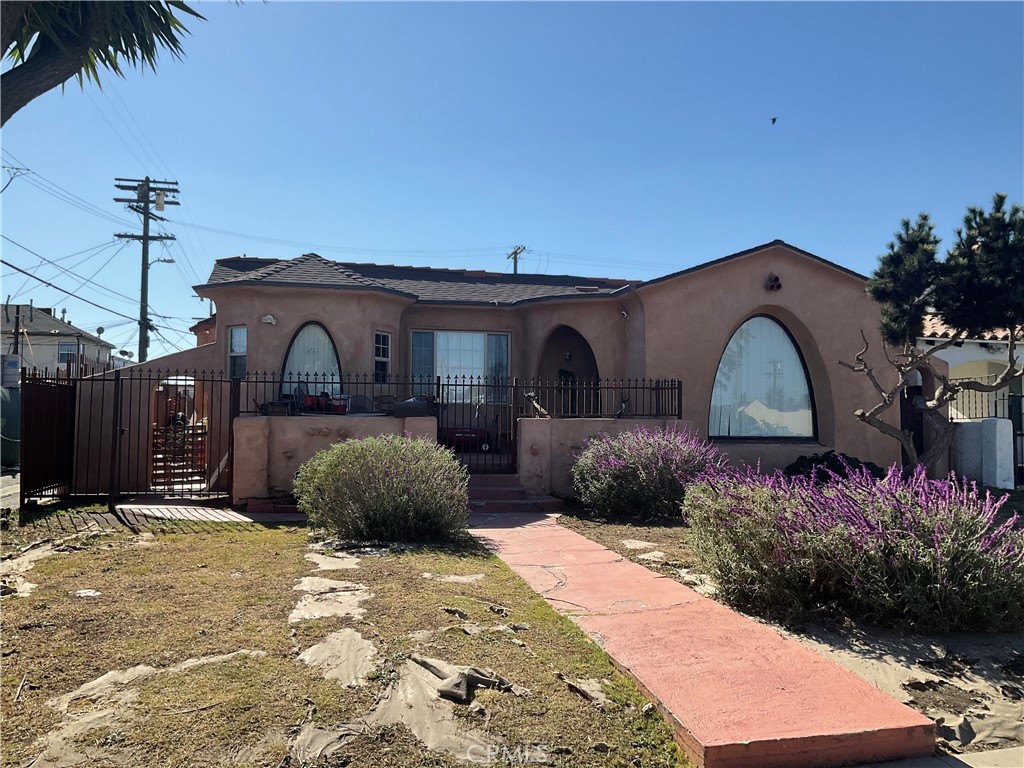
x=351, y=316
x=270, y=449
x=690, y=319
x=677, y=328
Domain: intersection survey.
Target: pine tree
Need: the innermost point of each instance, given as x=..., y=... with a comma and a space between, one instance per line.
x=979, y=287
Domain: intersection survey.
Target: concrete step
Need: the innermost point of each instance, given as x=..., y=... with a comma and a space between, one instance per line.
x=497, y=480
x=496, y=493
x=527, y=504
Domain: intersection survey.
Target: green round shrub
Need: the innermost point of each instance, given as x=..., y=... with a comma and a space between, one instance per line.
x=641, y=473
x=386, y=488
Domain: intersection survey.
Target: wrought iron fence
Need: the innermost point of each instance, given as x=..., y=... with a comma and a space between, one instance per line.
x=289, y=394
x=138, y=431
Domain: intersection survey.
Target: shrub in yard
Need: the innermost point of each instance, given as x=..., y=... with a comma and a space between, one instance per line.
x=386, y=488
x=641, y=473
x=907, y=551
x=821, y=466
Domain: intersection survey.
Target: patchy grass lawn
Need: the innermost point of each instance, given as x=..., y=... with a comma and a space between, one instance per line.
x=670, y=536
x=177, y=596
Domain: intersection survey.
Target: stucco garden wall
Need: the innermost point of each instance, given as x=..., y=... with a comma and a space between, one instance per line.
x=270, y=449
x=548, y=448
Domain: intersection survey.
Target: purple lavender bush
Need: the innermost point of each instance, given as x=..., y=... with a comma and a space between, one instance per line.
x=899, y=550
x=642, y=473
x=386, y=488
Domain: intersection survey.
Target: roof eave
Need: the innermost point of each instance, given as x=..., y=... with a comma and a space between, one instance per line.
x=282, y=284
x=750, y=252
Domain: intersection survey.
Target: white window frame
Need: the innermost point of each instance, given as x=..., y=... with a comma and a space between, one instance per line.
x=74, y=353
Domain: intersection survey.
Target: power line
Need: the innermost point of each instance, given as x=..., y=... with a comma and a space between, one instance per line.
x=67, y=271
x=492, y=250
x=99, y=247
x=61, y=193
x=69, y=293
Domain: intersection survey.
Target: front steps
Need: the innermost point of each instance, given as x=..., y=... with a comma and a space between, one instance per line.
x=503, y=494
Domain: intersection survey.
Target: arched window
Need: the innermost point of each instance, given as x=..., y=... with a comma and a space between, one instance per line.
x=313, y=361
x=761, y=388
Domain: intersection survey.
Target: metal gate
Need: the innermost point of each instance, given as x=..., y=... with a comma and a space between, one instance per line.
x=1016, y=408
x=476, y=418
x=127, y=433
x=47, y=436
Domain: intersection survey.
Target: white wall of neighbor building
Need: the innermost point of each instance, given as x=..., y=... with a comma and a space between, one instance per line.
x=983, y=452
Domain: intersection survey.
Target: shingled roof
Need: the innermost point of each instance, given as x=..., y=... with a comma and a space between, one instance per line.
x=39, y=321
x=423, y=284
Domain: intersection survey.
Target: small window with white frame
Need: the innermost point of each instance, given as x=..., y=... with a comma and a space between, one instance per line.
x=67, y=352
x=381, y=356
x=237, y=344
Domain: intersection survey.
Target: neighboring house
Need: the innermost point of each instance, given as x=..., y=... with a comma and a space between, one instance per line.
x=50, y=342
x=752, y=339
x=981, y=359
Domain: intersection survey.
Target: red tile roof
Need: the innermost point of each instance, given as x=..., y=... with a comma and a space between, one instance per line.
x=934, y=328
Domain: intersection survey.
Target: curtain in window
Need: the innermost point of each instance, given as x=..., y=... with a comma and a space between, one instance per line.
x=312, y=359
x=761, y=388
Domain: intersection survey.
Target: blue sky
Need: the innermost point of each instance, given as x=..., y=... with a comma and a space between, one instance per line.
x=626, y=140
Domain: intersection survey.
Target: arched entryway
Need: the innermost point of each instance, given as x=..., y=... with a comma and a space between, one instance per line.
x=568, y=374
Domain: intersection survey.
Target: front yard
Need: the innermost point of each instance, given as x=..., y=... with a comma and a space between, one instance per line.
x=185, y=650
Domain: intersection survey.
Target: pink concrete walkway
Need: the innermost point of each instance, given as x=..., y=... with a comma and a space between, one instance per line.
x=736, y=692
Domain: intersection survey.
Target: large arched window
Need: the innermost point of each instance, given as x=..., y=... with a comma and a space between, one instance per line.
x=312, y=360
x=761, y=388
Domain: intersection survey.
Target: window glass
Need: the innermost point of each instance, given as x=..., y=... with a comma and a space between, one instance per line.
x=459, y=355
x=381, y=356
x=423, y=356
x=237, y=361
x=312, y=361
x=67, y=351
x=761, y=388
x=497, y=356
x=238, y=342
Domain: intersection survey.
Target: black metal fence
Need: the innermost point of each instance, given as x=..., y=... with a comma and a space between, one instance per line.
x=288, y=394
x=127, y=432
x=136, y=431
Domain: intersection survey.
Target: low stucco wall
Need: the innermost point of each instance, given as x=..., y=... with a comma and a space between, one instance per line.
x=548, y=447
x=983, y=451
x=270, y=449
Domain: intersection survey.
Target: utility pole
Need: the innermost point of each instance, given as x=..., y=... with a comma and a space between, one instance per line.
x=515, y=258
x=147, y=193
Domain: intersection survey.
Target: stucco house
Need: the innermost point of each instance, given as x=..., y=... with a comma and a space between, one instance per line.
x=982, y=358
x=750, y=342
x=51, y=342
